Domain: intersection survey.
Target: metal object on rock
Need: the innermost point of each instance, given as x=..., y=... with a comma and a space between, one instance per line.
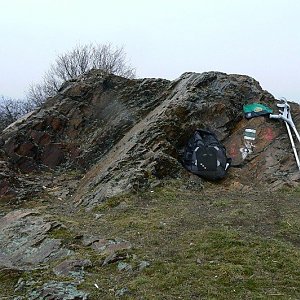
x=285, y=115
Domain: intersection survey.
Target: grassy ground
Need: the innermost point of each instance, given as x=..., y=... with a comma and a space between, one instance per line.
x=199, y=244
x=202, y=245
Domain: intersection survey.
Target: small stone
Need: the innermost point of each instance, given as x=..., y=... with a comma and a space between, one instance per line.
x=98, y=216
x=58, y=290
x=20, y=285
x=143, y=264
x=162, y=225
x=72, y=267
x=87, y=240
x=123, y=266
x=109, y=259
x=122, y=292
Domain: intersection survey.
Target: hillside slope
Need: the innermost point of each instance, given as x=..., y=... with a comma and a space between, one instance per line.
x=106, y=127
x=95, y=202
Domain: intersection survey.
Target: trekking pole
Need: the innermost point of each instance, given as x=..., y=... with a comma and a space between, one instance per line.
x=293, y=144
x=286, y=116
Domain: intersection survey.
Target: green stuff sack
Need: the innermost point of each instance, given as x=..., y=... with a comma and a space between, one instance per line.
x=255, y=110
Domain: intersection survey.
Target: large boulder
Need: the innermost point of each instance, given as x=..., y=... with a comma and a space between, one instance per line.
x=81, y=123
x=129, y=134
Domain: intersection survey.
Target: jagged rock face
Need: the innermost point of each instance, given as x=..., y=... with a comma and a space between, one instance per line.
x=30, y=247
x=129, y=134
x=81, y=123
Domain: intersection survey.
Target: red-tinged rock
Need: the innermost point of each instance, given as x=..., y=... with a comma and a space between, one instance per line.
x=110, y=246
x=118, y=247
x=69, y=266
x=52, y=155
x=4, y=187
x=75, y=122
x=57, y=124
x=10, y=146
x=72, y=133
x=132, y=133
x=26, y=149
x=73, y=150
x=26, y=164
x=100, y=245
x=40, y=137
x=40, y=125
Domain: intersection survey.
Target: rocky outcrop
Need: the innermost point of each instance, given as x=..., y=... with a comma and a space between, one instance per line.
x=81, y=123
x=104, y=135
x=129, y=134
x=24, y=244
x=58, y=291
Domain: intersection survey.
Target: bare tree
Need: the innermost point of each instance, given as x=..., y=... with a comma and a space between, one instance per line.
x=109, y=59
x=37, y=94
x=11, y=110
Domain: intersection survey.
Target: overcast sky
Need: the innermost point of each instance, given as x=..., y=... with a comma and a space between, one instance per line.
x=162, y=38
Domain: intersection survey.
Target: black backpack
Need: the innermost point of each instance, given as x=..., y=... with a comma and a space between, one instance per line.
x=205, y=156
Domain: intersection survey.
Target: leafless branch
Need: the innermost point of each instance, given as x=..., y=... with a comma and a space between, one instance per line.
x=109, y=59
